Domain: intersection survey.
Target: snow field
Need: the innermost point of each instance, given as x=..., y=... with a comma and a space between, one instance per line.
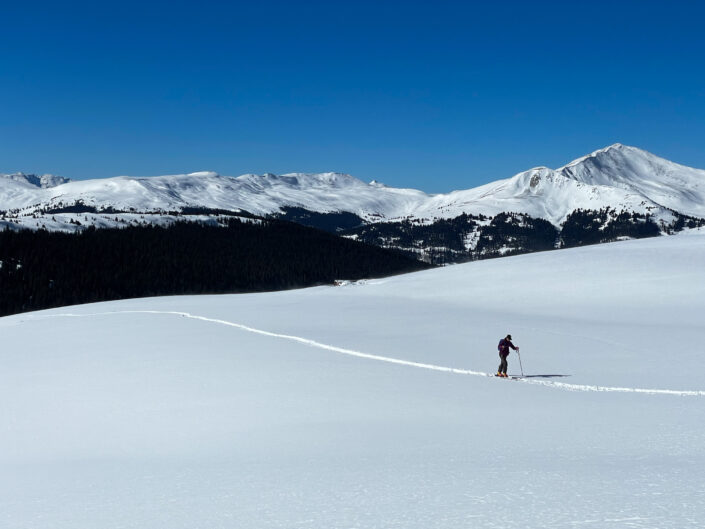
x=145, y=419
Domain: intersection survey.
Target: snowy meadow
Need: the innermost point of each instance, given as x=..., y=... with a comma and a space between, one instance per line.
x=371, y=404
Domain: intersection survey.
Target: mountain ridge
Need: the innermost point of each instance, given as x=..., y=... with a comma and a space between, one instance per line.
x=617, y=176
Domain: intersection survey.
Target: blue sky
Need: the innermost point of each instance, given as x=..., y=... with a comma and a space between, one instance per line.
x=433, y=95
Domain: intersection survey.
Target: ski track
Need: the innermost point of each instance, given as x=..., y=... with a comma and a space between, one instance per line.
x=312, y=343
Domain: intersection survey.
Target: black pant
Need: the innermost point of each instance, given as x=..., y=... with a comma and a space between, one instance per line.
x=503, y=364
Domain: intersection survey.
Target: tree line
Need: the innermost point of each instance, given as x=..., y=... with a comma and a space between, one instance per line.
x=42, y=269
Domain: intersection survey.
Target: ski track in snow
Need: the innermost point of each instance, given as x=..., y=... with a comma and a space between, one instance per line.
x=399, y=361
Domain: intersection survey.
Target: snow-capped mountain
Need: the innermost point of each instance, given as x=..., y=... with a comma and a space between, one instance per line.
x=669, y=184
x=32, y=180
x=618, y=176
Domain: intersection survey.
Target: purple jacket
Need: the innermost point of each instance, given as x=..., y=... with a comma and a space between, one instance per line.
x=504, y=346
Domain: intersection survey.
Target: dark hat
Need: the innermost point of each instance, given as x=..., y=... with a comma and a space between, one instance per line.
x=509, y=337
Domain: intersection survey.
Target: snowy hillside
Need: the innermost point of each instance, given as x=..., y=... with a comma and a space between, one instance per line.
x=665, y=183
x=369, y=404
x=620, y=177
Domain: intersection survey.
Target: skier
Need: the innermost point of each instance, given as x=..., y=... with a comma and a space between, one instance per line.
x=503, y=347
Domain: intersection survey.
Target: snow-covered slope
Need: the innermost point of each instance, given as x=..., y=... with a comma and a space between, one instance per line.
x=367, y=405
x=259, y=194
x=639, y=172
x=618, y=176
x=542, y=193
x=19, y=189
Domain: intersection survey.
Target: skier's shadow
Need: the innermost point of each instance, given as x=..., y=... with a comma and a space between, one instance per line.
x=545, y=376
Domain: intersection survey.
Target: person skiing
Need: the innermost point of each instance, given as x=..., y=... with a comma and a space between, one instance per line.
x=503, y=347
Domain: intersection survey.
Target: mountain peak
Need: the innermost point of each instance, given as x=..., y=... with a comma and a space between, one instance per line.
x=640, y=172
x=42, y=181
x=375, y=183
x=616, y=149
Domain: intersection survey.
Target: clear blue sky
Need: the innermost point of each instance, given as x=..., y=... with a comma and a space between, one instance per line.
x=434, y=95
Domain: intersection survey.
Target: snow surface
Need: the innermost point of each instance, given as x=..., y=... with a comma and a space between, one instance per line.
x=369, y=404
x=618, y=176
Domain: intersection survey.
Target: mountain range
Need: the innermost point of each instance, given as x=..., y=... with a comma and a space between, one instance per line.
x=617, y=178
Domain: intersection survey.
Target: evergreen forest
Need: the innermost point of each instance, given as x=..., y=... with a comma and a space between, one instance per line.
x=42, y=269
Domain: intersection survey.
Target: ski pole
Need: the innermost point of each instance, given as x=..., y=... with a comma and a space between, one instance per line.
x=521, y=366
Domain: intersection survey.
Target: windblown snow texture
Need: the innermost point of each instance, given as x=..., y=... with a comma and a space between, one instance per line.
x=368, y=404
